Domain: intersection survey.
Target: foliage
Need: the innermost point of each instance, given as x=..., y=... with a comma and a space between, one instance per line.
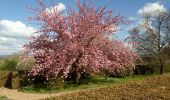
x=1, y=63
x=93, y=82
x=77, y=43
x=8, y=63
x=152, y=88
x=24, y=65
x=167, y=66
x=143, y=69
x=11, y=63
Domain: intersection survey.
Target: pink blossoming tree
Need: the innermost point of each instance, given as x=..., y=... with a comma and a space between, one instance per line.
x=77, y=43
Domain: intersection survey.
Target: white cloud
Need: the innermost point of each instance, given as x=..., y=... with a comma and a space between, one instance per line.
x=13, y=35
x=59, y=8
x=152, y=8
x=15, y=29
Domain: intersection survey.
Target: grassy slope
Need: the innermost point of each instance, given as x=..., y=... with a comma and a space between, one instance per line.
x=153, y=88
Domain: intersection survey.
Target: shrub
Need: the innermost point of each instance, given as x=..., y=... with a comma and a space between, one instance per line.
x=143, y=69
x=10, y=65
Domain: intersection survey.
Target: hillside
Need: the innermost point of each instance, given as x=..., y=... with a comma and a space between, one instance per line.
x=152, y=88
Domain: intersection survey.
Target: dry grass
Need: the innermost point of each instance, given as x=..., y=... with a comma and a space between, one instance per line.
x=3, y=77
x=152, y=88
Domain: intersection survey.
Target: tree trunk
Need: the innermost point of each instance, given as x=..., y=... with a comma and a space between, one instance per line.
x=77, y=78
x=161, y=66
x=76, y=74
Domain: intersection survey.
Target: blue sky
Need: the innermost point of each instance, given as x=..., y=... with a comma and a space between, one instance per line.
x=15, y=27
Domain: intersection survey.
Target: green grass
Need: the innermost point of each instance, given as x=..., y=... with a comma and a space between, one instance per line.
x=3, y=97
x=94, y=82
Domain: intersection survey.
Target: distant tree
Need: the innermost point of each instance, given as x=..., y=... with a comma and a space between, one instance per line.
x=10, y=65
x=9, y=62
x=77, y=43
x=152, y=36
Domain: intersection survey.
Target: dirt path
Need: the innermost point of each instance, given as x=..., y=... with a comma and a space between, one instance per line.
x=16, y=95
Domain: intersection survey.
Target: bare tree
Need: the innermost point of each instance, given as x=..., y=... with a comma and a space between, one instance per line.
x=153, y=37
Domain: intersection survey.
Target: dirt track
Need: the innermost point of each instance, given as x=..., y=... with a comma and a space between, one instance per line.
x=15, y=95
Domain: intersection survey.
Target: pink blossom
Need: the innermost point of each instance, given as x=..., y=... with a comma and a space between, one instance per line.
x=78, y=39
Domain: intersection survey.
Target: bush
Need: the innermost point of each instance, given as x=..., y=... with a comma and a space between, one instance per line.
x=23, y=78
x=167, y=66
x=143, y=69
x=10, y=65
x=117, y=74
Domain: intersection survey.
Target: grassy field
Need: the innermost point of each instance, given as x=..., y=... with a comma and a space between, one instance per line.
x=152, y=88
